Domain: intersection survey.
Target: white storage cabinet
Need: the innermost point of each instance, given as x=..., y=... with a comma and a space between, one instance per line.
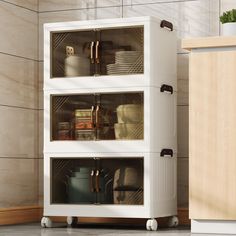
x=110, y=120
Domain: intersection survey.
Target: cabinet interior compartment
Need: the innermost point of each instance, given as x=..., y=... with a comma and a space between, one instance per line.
x=117, y=181
x=104, y=116
x=108, y=51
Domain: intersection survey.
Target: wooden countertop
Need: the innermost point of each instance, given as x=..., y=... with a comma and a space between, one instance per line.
x=209, y=42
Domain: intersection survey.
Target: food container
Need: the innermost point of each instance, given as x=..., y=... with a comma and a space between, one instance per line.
x=77, y=66
x=128, y=131
x=64, y=125
x=83, y=124
x=130, y=113
x=79, y=190
x=64, y=135
x=128, y=197
x=128, y=178
x=84, y=134
x=81, y=172
x=83, y=113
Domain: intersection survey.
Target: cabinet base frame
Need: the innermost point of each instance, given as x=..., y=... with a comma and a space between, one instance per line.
x=213, y=226
x=31, y=214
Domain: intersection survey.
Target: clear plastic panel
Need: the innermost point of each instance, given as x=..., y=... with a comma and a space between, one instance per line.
x=71, y=52
x=113, y=116
x=73, y=117
x=116, y=51
x=121, y=181
x=121, y=51
x=100, y=180
x=71, y=181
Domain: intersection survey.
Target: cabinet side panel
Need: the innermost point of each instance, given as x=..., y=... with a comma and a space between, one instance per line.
x=163, y=57
x=164, y=185
x=212, y=118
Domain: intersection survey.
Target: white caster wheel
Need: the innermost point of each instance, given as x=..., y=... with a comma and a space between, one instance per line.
x=46, y=222
x=173, y=221
x=151, y=225
x=71, y=220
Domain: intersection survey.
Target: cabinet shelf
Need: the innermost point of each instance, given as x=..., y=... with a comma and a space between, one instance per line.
x=107, y=51
x=97, y=181
x=98, y=116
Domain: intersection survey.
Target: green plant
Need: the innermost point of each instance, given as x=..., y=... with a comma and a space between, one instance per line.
x=228, y=16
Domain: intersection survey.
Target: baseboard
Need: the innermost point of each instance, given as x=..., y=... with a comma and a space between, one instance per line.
x=213, y=227
x=20, y=215
x=183, y=214
x=30, y=214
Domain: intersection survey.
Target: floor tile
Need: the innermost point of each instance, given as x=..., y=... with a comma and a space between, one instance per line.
x=61, y=230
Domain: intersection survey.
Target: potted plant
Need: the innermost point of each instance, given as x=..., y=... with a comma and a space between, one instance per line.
x=228, y=19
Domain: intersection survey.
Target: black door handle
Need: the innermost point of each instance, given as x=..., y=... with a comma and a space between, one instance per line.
x=166, y=87
x=166, y=152
x=166, y=24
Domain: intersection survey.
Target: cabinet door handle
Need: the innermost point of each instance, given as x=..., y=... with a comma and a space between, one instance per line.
x=92, y=114
x=167, y=88
x=97, y=116
x=166, y=152
x=166, y=24
x=92, y=189
x=91, y=52
x=97, y=52
x=97, y=181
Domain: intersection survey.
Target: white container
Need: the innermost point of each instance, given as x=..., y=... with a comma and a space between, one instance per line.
x=127, y=177
x=229, y=29
x=77, y=66
x=128, y=131
x=130, y=113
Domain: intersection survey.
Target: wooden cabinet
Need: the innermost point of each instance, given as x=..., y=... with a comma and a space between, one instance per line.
x=212, y=131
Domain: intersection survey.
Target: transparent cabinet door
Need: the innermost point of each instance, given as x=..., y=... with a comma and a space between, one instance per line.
x=120, y=51
x=108, y=116
x=116, y=181
x=122, y=116
x=120, y=181
x=73, y=117
x=71, y=181
x=71, y=53
x=115, y=51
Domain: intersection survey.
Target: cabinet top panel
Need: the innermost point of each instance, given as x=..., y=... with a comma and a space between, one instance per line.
x=102, y=23
x=209, y=42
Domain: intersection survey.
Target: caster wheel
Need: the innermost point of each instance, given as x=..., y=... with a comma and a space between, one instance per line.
x=71, y=221
x=46, y=222
x=173, y=221
x=151, y=225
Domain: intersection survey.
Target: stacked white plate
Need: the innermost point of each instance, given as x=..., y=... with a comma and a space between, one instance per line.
x=126, y=62
x=121, y=68
x=127, y=56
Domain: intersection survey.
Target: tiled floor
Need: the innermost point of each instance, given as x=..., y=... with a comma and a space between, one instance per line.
x=62, y=230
